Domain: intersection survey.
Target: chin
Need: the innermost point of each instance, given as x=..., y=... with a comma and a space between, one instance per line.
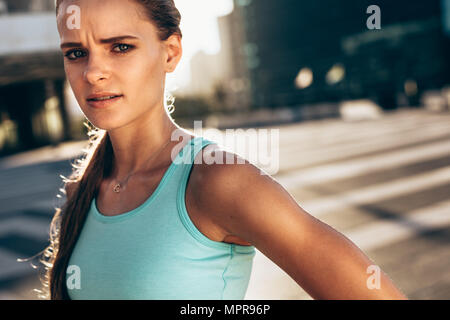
x=105, y=123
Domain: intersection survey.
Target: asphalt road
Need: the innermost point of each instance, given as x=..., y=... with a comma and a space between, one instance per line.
x=384, y=183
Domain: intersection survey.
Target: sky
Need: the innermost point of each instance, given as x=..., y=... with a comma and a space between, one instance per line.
x=200, y=32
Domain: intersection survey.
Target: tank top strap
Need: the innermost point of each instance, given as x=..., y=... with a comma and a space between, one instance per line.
x=187, y=155
x=185, y=162
x=182, y=165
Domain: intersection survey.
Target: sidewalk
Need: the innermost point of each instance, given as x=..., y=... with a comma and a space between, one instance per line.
x=63, y=151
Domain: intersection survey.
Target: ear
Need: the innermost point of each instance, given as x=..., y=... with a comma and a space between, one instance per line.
x=174, y=51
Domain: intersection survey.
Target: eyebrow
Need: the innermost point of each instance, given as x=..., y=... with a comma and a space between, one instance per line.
x=103, y=41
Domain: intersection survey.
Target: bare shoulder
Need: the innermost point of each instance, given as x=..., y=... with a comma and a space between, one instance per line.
x=218, y=173
x=254, y=207
x=224, y=184
x=229, y=171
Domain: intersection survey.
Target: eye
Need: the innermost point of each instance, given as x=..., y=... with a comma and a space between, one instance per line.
x=75, y=54
x=122, y=48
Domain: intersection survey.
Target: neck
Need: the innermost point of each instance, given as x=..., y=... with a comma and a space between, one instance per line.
x=136, y=142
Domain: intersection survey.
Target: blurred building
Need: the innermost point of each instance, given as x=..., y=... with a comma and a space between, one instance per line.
x=32, y=108
x=224, y=76
x=233, y=42
x=14, y=6
x=206, y=73
x=291, y=53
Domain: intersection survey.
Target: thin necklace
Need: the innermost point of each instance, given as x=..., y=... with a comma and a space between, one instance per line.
x=120, y=184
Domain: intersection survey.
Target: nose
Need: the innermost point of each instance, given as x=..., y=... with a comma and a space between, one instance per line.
x=96, y=70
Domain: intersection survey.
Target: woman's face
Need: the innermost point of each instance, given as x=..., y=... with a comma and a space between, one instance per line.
x=114, y=51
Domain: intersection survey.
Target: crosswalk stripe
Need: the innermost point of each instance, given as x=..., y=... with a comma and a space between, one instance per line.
x=369, y=142
x=341, y=151
x=378, y=192
x=32, y=227
x=19, y=203
x=383, y=233
x=361, y=166
x=36, y=230
x=370, y=237
x=47, y=154
x=338, y=131
x=25, y=190
x=41, y=205
x=10, y=267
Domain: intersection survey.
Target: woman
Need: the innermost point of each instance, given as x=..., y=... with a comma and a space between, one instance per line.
x=139, y=225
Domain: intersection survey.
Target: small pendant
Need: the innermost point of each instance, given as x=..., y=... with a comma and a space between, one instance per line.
x=117, y=188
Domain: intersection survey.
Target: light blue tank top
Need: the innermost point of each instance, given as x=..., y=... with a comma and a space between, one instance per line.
x=155, y=251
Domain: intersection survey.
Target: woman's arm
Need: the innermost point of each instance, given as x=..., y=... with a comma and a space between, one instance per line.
x=255, y=208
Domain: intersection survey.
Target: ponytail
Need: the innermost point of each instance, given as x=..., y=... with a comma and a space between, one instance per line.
x=80, y=188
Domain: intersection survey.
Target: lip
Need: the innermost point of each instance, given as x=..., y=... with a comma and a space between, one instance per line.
x=103, y=103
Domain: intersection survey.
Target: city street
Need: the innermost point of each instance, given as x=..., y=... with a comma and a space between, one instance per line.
x=383, y=183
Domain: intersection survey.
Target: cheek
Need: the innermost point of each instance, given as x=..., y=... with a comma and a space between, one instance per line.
x=79, y=88
x=149, y=68
x=74, y=77
x=145, y=77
